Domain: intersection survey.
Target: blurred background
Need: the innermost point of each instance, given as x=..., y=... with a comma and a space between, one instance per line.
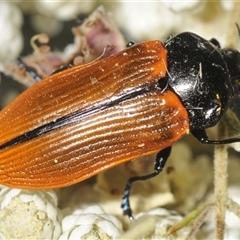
x=137, y=21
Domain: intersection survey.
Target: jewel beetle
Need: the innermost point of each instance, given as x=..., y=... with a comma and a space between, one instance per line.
x=89, y=118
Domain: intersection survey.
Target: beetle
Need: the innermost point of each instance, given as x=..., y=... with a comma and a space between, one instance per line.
x=86, y=119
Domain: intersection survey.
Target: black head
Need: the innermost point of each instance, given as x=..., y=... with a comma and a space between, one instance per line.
x=203, y=75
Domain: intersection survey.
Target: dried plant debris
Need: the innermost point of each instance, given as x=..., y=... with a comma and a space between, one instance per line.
x=96, y=37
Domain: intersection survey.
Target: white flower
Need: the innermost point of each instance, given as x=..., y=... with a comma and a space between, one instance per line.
x=28, y=214
x=11, y=41
x=155, y=224
x=64, y=10
x=90, y=223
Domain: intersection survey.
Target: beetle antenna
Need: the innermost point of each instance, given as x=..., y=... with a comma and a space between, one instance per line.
x=238, y=29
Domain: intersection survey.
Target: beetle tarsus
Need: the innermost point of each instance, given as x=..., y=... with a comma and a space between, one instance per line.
x=160, y=162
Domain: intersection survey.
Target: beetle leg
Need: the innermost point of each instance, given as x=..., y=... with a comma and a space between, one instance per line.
x=30, y=70
x=201, y=136
x=160, y=161
x=62, y=68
